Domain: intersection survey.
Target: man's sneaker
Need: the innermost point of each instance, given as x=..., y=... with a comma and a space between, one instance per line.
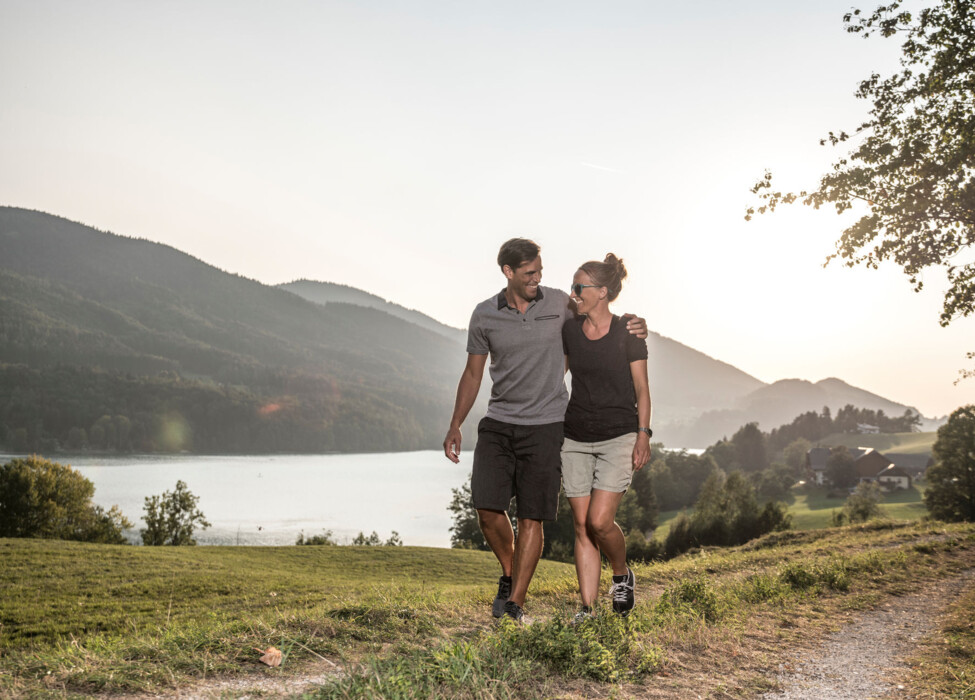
x=622, y=592
x=582, y=616
x=504, y=592
x=513, y=610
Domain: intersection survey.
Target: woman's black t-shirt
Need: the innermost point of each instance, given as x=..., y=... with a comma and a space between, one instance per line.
x=603, y=401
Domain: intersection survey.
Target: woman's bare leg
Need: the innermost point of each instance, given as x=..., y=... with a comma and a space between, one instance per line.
x=586, y=552
x=601, y=521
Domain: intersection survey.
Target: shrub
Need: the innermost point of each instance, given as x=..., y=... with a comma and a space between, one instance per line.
x=374, y=541
x=323, y=539
x=639, y=548
x=172, y=517
x=40, y=498
x=696, y=594
x=727, y=513
x=863, y=504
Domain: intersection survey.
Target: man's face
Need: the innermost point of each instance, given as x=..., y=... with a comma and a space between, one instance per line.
x=524, y=280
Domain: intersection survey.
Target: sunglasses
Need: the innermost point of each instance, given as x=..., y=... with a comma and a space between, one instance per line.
x=577, y=288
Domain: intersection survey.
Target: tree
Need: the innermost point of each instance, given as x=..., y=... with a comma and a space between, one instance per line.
x=172, y=517
x=795, y=455
x=863, y=504
x=951, y=480
x=912, y=175
x=40, y=498
x=751, y=452
x=841, y=468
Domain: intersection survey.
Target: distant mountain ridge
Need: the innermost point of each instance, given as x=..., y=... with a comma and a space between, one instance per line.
x=768, y=405
x=105, y=338
x=331, y=293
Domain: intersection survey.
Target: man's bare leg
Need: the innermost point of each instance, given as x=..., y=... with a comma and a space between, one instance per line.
x=528, y=550
x=496, y=528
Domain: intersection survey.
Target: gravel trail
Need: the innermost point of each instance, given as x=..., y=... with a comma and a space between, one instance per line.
x=865, y=658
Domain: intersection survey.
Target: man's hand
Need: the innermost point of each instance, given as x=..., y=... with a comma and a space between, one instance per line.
x=641, y=451
x=451, y=445
x=635, y=325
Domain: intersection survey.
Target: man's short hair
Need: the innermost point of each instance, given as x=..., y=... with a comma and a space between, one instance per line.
x=516, y=252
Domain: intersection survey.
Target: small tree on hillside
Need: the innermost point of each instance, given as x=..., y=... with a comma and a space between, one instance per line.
x=863, y=504
x=172, y=517
x=951, y=481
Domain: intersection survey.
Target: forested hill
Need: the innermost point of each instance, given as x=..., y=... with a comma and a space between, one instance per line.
x=120, y=343
x=331, y=293
x=115, y=343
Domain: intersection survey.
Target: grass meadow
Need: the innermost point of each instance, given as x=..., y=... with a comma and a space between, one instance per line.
x=82, y=620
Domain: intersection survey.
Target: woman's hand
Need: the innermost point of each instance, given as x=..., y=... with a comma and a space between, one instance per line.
x=641, y=451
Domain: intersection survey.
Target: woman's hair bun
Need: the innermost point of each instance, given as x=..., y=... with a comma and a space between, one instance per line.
x=611, y=259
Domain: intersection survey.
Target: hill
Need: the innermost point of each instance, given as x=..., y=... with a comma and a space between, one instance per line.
x=115, y=343
x=897, y=443
x=93, y=324
x=331, y=293
x=779, y=403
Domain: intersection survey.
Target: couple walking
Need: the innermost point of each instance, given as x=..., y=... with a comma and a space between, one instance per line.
x=535, y=436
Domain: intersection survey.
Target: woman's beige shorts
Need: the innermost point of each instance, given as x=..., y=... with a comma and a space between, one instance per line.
x=606, y=465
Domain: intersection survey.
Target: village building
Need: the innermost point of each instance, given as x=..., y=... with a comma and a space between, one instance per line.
x=869, y=466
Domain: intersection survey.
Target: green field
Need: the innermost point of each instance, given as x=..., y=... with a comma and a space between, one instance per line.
x=81, y=620
x=812, y=509
x=903, y=443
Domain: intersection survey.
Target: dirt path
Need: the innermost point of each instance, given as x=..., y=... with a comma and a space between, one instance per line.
x=866, y=657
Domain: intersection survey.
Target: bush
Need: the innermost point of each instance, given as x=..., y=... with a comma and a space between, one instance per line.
x=863, y=504
x=374, y=541
x=726, y=514
x=696, y=594
x=639, y=548
x=323, y=539
x=172, y=517
x=40, y=498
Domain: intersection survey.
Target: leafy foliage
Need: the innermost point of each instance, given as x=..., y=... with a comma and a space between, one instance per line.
x=912, y=174
x=361, y=540
x=951, y=480
x=40, y=498
x=172, y=517
x=863, y=504
x=727, y=513
x=841, y=468
x=325, y=538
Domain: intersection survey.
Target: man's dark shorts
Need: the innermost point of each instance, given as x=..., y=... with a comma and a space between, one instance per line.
x=518, y=460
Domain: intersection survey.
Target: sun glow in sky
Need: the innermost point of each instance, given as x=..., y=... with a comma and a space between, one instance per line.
x=394, y=146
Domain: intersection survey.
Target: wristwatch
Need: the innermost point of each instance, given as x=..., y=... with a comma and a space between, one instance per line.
x=645, y=430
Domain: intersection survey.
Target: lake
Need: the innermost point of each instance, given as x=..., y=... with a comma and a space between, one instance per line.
x=269, y=500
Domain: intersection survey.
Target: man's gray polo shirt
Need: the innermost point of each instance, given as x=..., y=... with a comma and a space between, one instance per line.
x=527, y=361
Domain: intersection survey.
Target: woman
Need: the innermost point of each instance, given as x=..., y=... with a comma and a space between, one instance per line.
x=607, y=428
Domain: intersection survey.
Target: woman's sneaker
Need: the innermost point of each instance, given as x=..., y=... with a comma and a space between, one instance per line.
x=582, y=616
x=513, y=611
x=504, y=592
x=622, y=592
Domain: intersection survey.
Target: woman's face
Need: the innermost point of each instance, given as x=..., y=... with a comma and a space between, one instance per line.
x=588, y=296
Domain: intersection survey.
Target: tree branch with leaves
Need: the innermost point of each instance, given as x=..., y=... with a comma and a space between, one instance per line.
x=910, y=171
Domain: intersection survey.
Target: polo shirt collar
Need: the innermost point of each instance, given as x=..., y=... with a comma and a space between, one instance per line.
x=503, y=300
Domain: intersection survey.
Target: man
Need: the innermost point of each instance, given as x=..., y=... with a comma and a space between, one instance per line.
x=520, y=437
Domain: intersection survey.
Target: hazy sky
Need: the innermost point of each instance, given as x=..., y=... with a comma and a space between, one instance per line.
x=393, y=146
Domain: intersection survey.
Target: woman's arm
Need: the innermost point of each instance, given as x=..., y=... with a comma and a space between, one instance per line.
x=641, y=450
